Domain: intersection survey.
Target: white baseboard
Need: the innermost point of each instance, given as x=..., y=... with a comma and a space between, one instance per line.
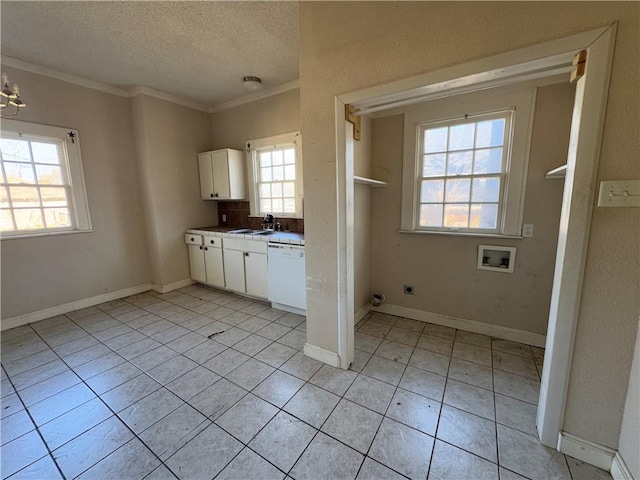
x=619, y=469
x=589, y=452
x=497, y=331
x=287, y=308
x=322, y=355
x=169, y=287
x=360, y=314
x=71, y=306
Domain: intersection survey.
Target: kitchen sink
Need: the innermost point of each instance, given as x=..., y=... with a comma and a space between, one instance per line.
x=248, y=231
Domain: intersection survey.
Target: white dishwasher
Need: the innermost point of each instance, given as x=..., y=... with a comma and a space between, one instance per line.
x=287, y=280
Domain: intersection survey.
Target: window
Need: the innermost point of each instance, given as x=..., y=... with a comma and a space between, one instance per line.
x=275, y=167
x=41, y=180
x=465, y=164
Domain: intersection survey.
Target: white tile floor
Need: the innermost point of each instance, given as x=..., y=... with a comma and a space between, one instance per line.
x=134, y=389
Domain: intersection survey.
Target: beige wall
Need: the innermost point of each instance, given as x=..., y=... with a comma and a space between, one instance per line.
x=272, y=115
x=362, y=165
x=43, y=272
x=629, y=445
x=346, y=46
x=168, y=139
x=443, y=267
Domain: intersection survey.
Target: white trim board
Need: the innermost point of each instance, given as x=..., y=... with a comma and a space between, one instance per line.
x=169, y=287
x=361, y=313
x=71, y=306
x=619, y=469
x=589, y=452
x=497, y=331
x=322, y=355
x=252, y=97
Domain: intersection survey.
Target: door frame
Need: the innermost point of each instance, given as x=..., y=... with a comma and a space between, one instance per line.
x=578, y=196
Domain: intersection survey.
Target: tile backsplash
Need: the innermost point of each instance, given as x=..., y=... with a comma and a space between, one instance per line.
x=237, y=213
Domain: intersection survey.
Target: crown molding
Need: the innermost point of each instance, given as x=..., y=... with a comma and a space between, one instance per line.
x=142, y=90
x=284, y=87
x=65, y=77
x=152, y=92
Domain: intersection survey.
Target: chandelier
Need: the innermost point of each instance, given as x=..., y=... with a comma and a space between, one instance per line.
x=10, y=97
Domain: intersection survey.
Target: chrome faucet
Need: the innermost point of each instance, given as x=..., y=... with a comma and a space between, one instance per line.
x=268, y=221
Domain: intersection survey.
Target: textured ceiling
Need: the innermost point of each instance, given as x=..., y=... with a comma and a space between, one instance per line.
x=195, y=50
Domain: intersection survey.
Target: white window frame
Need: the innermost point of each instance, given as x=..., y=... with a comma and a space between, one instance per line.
x=253, y=147
x=521, y=101
x=72, y=171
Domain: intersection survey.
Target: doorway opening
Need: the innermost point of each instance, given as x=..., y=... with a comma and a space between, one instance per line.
x=543, y=60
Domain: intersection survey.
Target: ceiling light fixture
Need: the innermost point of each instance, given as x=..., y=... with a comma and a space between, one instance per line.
x=252, y=83
x=10, y=96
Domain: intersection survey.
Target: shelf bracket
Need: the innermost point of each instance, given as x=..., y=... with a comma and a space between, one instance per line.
x=349, y=115
x=579, y=63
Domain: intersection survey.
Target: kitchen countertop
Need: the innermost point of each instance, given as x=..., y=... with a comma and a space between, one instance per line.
x=275, y=237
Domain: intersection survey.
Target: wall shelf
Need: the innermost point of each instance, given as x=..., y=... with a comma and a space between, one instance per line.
x=559, y=172
x=369, y=181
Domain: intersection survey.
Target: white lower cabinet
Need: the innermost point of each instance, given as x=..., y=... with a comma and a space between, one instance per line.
x=205, y=259
x=245, y=266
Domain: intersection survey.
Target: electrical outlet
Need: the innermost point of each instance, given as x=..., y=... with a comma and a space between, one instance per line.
x=409, y=289
x=224, y=218
x=527, y=230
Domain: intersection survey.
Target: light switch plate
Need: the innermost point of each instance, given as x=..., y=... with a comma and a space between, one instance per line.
x=619, y=193
x=527, y=230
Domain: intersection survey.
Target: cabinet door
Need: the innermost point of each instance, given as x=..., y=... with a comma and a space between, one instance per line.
x=234, y=270
x=196, y=263
x=220, y=169
x=255, y=265
x=215, y=268
x=206, y=176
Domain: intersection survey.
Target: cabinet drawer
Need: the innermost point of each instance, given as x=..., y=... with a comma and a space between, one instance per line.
x=242, y=244
x=192, y=239
x=212, y=242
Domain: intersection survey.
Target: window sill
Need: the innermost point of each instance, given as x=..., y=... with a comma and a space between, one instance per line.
x=43, y=234
x=463, y=234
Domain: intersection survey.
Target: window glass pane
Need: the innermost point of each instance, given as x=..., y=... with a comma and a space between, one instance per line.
x=45, y=153
x=486, y=189
x=490, y=133
x=49, y=175
x=24, y=196
x=460, y=163
x=289, y=156
x=277, y=157
x=456, y=216
x=265, y=159
x=461, y=136
x=6, y=224
x=265, y=174
x=265, y=205
x=15, y=150
x=290, y=172
x=432, y=191
x=53, y=196
x=289, y=205
x=430, y=216
x=276, y=190
x=289, y=189
x=29, y=219
x=278, y=173
x=488, y=161
x=276, y=203
x=4, y=201
x=57, y=217
x=458, y=190
x=435, y=140
x=484, y=216
x=265, y=189
x=19, y=172
x=433, y=165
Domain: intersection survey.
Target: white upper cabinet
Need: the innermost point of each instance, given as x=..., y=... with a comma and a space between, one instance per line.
x=222, y=175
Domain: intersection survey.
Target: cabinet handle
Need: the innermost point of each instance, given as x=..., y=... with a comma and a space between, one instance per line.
x=192, y=239
x=212, y=195
x=216, y=195
x=200, y=247
x=213, y=242
x=206, y=248
x=246, y=254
